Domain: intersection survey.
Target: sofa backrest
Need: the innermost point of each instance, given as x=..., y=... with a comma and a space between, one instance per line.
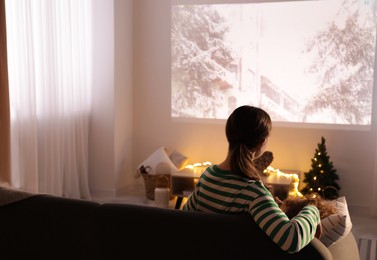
x=154, y=231
x=47, y=227
x=50, y=227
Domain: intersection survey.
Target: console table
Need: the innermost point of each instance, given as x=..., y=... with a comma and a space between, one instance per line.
x=182, y=185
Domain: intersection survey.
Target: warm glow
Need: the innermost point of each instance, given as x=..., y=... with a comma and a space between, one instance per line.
x=189, y=166
x=207, y=163
x=184, y=200
x=198, y=164
x=198, y=168
x=275, y=176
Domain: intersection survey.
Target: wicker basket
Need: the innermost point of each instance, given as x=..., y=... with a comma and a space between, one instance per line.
x=150, y=184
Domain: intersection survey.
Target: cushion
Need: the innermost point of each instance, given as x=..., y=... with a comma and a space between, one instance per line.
x=159, y=162
x=336, y=226
x=179, y=159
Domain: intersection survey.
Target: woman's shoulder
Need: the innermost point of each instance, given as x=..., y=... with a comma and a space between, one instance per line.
x=259, y=188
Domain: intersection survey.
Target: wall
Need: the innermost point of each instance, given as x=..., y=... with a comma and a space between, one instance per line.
x=352, y=152
x=111, y=122
x=101, y=151
x=123, y=140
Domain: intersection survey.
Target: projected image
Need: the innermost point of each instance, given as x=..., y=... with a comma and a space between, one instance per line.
x=309, y=61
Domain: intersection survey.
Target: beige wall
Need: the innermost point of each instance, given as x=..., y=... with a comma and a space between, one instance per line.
x=101, y=139
x=123, y=138
x=111, y=124
x=352, y=152
x=132, y=111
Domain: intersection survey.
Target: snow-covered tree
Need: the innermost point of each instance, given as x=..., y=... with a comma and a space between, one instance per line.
x=345, y=64
x=200, y=57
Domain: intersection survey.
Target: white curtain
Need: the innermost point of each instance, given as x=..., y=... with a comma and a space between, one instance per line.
x=49, y=59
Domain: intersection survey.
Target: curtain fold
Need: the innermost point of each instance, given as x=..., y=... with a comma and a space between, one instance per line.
x=5, y=165
x=50, y=93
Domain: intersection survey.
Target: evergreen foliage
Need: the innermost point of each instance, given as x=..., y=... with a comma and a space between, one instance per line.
x=322, y=177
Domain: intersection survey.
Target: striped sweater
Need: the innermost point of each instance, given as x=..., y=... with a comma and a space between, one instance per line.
x=220, y=191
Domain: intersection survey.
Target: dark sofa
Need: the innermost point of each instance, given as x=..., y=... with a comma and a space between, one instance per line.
x=50, y=227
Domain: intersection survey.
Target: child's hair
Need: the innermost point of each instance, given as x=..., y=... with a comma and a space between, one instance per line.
x=246, y=128
x=292, y=206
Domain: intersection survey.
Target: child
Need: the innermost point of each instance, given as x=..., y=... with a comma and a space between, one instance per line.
x=234, y=186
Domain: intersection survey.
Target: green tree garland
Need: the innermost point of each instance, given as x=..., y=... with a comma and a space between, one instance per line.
x=322, y=177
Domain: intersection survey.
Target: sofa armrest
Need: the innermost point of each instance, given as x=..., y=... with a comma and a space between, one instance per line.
x=345, y=249
x=320, y=249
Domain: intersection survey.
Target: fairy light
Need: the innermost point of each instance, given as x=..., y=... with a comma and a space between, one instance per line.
x=198, y=167
x=207, y=163
x=275, y=176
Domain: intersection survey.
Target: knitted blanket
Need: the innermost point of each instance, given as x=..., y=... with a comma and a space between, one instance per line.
x=8, y=194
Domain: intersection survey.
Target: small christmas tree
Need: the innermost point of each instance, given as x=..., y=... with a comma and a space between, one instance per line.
x=322, y=176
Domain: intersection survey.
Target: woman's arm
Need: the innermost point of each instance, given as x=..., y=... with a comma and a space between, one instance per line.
x=291, y=235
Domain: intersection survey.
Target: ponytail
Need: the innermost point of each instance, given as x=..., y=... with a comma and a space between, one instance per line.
x=246, y=129
x=241, y=162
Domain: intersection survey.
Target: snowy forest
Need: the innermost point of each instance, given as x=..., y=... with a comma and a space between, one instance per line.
x=309, y=61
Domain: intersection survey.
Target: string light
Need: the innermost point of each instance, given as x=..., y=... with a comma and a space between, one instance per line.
x=198, y=168
x=275, y=176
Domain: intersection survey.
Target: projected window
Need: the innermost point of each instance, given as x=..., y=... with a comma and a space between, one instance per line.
x=309, y=61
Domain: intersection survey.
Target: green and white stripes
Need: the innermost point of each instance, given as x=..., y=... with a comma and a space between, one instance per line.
x=220, y=191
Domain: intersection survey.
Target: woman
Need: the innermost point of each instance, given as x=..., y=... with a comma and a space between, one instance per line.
x=234, y=186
